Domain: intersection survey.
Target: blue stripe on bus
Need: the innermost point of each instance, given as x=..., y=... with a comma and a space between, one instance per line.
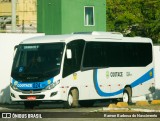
x=32, y=85
x=146, y=77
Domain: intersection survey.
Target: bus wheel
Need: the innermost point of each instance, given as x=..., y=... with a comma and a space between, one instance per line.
x=72, y=100
x=127, y=96
x=28, y=105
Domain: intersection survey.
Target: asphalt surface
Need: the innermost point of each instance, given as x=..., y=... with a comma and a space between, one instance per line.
x=57, y=110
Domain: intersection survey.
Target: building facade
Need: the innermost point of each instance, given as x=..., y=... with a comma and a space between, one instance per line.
x=67, y=16
x=26, y=12
x=54, y=16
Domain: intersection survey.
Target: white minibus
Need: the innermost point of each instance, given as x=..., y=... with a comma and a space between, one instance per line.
x=81, y=68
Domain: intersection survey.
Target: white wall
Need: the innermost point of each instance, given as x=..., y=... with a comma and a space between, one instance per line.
x=157, y=71
x=7, y=43
x=157, y=66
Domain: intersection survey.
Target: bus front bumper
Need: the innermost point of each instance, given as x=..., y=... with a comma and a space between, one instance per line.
x=31, y=95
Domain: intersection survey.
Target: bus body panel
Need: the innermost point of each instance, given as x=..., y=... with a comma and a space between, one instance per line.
x=94, y=83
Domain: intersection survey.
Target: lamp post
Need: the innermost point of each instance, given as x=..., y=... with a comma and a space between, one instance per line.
x=14, y=15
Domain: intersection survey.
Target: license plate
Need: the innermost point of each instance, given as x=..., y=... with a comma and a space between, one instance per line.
x=31, y=98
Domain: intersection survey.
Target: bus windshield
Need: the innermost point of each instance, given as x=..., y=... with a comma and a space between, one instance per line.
x=37, y=62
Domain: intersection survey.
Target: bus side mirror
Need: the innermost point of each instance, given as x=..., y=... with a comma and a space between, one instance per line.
x=69, y=54
x=15, y=47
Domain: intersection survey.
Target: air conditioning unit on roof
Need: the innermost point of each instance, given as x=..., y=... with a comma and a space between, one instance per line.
x=109, y=34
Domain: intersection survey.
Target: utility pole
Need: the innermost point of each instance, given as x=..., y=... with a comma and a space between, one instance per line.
x=14, y=2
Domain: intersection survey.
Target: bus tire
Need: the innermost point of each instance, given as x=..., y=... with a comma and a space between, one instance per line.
x=72, y=99
x=75, y=95
x=127, y=95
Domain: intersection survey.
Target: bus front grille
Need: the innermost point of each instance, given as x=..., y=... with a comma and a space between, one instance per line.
x=37, y=96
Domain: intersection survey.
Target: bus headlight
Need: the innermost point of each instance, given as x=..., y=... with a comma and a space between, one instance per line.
x=14, y=87
x=51, y=86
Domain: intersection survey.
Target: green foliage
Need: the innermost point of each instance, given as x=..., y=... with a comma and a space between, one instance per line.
x=134, y=17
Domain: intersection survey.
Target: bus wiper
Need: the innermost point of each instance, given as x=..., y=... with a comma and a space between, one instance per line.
x=34, y=74
x=53, y=70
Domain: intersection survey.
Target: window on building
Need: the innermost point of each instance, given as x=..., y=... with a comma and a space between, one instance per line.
x=89, y=16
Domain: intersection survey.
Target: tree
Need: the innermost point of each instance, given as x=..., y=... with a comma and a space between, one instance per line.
x=134, y=17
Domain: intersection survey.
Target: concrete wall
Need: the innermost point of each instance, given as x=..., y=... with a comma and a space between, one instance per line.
x=157, y=71
x=26, y=10
x=5, y=9
x=7, y=43
x=157, y=66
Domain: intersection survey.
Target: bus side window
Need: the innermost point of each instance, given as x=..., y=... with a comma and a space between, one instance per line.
x=73, y=64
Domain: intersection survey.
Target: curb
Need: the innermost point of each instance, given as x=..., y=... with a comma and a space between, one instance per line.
x=112, y=106
x=122, y=104
x=155, y=102
x=142, y=103
x=129, y=109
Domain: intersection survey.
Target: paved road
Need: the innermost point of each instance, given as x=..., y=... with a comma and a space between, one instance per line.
x=54, y=108
x=46, y=108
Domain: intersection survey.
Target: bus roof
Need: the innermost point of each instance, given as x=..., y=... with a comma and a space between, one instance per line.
x=88, y=36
